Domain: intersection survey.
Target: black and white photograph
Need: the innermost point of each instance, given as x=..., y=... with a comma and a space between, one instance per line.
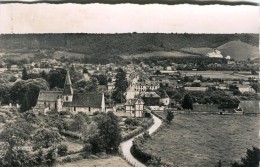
x=129, y=83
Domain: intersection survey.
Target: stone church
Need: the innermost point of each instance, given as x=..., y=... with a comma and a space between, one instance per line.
x=68, y=100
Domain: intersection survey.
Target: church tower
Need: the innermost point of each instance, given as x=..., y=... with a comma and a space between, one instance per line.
x=67, y=91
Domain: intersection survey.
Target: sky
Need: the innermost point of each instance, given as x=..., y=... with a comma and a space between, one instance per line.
x=124, y=18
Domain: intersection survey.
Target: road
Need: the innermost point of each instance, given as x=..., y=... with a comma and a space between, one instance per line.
x=126, y=146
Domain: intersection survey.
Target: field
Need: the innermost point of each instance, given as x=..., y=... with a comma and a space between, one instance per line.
x=220, y=74
x=158, y=54
x=203, y=140
x=113, y=161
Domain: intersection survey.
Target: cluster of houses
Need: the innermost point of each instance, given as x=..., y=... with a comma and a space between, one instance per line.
x=141, y=95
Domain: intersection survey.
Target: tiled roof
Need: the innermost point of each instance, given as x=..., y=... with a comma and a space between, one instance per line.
x=150, y=94
x=164, y=94
x=133, y=101
x=84, y=100
x=49, y=96
x=130, y=102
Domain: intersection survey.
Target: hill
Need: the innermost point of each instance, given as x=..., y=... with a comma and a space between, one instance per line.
x=239, y=50
x=111, y=46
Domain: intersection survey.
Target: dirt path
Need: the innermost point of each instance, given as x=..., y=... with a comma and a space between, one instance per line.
x=126, y=146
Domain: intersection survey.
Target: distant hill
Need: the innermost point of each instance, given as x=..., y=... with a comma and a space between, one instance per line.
x=102, y=46
x=239, y=50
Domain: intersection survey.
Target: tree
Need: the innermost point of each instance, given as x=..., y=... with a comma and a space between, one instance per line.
x=84, y=86
x=256, y=87
x=187, y=102
x=158, y=72
x=5, y=97
x=62, y=149
x=17, y=91
x=31, y=91
x=56, y=78
x=75, y=75
x=120, y=85
x=17, y=133
x=15, y=158
x=102, y=79
x=79, y=123
x=251, y=160
x=44, y=75
x=12, y=79
x=33, y=76
x=85, y=71
x=46, y=138
x=169, y=116
x=109, y=131
x=24, y=74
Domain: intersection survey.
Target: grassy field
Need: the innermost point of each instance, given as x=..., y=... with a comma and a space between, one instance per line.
x=203, y=140
x=158, y=53
x=113, y=161
x=220, y=74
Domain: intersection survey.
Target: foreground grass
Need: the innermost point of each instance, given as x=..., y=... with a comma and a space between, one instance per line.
x=112, y=161
x=203, y=140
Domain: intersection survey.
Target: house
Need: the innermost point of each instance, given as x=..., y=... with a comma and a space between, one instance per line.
x=245, y=88
x=151, y=98
x=164, y=99
x=68, y=100
x=144, y=86
x=14, y=68
x=216, y=54
x=135, y=107
x=111, y=85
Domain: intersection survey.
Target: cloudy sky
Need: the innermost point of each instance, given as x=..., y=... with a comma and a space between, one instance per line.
x=123, y=18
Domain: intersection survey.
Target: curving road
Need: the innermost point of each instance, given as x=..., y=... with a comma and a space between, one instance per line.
x=126, y=145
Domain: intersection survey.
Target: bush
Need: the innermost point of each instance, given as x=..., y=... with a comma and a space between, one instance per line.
x=62, y=150
x=70, y=134
x=64, y=113
x=147, y=115
x=131, y=121
x=251, y=160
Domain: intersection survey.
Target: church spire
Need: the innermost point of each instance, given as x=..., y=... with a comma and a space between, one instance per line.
x=67, y=85
x=67, y=80
x=103, y=106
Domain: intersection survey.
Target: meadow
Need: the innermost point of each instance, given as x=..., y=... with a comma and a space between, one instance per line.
x=111, y=161
x=203, y=140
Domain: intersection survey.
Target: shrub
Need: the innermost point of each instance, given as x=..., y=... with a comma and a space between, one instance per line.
x=147, y=115
x=131, y=121
x=62, y=150
x=252, y=159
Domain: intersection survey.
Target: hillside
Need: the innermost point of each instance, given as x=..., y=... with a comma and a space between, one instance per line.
x=110, y=45
x=239, y=50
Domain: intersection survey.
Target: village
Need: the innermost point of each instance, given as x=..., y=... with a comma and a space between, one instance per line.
x=87, y=112
x=147, y=88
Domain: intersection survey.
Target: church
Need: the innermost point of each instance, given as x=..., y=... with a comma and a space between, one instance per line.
x=68, y=100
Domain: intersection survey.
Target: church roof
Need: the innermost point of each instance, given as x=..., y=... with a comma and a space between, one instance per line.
x=49, y=96
x=85, y=100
